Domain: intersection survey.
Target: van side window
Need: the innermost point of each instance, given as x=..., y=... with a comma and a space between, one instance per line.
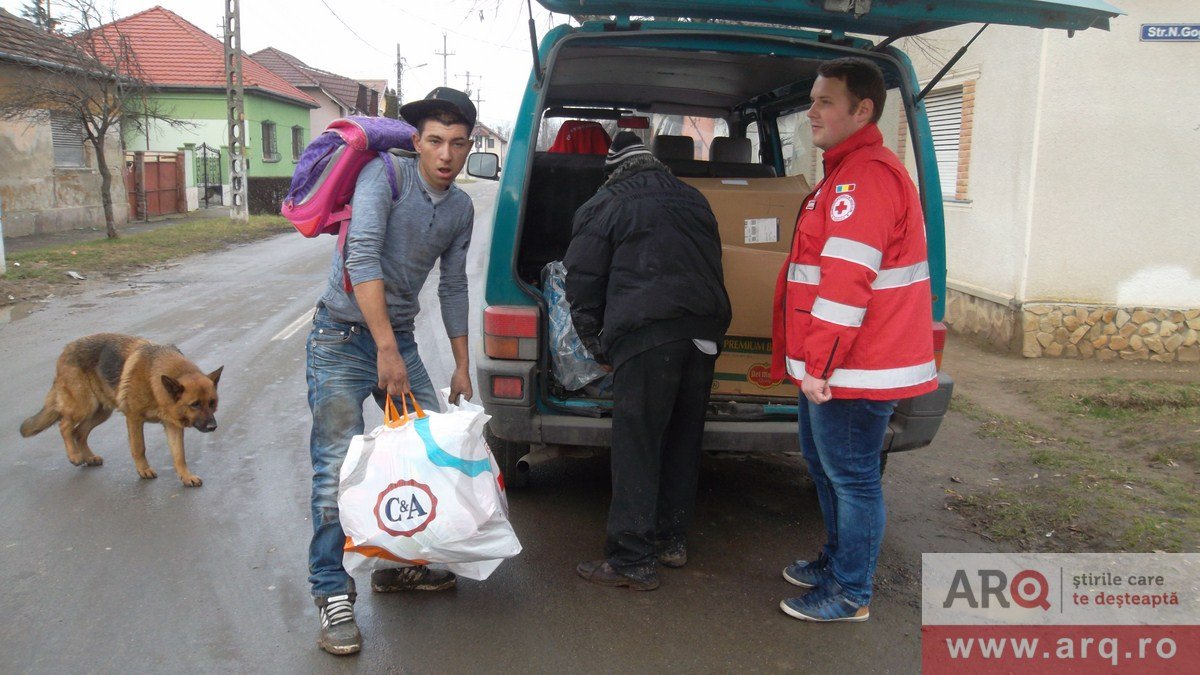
x=801, y=157
x=755, y=142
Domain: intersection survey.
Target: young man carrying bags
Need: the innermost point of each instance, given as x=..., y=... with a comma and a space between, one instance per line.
x=362, y=342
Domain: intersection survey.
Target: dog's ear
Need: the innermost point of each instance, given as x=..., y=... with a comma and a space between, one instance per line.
x=215, y=375
x=173, y=387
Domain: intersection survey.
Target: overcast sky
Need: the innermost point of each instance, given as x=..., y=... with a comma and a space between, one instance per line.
x=358, y=38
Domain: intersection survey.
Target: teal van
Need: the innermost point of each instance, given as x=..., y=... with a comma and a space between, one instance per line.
x=719, y=92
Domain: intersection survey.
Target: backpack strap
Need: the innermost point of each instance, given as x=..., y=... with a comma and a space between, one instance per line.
x=389, y=168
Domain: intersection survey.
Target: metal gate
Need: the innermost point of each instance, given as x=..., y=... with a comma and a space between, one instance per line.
x=209, y=178
x=154, y=183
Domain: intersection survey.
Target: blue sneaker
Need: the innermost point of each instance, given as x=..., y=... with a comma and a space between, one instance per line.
x=808, y=574
x=824, y=606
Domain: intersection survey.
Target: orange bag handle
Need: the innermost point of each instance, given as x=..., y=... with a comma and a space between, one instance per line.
x=392, y=418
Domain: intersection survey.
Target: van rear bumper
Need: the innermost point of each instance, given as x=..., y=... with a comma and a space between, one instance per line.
x=913, y=425
x=524, y=425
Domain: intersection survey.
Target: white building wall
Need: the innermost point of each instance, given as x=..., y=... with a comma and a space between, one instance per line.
x=986, y=234
x=1115, y=217
x=1082, y=149
x=319, y=118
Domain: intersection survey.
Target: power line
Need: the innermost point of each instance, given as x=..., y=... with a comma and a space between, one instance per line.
x=360, y=38
x=458, y=33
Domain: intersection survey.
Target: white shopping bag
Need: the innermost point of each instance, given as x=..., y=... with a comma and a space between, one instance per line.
x=424, y=489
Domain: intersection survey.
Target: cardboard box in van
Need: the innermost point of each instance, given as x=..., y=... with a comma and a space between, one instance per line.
x=756, y=217
x=744, y=369
x=759, y=213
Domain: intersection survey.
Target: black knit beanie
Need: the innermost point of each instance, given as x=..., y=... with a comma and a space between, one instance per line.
x=624, y=146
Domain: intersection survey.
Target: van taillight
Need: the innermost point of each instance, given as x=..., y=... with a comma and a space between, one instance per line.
x=507, y=386
x=510, y=332
x=939, y=342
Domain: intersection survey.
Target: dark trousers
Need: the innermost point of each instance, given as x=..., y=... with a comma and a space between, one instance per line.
x=659, y=402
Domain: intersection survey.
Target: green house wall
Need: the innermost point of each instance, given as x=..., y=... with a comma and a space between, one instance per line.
x=205, y=111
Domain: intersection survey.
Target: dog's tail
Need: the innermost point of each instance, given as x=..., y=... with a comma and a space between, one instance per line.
x=43, y=419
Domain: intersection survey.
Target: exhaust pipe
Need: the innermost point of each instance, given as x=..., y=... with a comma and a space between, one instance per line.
x=538, y=454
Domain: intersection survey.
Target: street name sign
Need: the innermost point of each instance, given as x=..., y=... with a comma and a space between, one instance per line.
x=1171, y=32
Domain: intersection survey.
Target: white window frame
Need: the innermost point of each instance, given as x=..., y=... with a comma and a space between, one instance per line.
x=945, y=110
x=954, y=158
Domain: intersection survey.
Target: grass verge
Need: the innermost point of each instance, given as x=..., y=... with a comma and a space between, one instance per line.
x=37, y=273
x=1119, y=473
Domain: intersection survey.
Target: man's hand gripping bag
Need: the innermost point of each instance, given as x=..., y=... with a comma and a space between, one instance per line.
x=423, y=488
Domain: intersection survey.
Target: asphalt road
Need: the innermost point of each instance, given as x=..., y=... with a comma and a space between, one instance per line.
x=105, y=572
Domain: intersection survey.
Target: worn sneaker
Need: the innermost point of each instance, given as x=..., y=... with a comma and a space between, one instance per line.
x=808, y=574
x=600, y=572
x=825, y=607
x=418, y=578
x=339, y=633
x=673, y=554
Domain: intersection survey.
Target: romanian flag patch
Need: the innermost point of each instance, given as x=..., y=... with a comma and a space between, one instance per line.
x=845, y=187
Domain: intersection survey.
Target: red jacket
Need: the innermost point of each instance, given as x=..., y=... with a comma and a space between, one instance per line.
x=853, y=303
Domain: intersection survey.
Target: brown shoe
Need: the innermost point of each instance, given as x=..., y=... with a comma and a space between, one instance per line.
x=600, y=572
x=419, y=578
x=673, y=555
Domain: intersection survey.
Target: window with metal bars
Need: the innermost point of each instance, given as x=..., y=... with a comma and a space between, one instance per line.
x=270, y=145
x=297, y=143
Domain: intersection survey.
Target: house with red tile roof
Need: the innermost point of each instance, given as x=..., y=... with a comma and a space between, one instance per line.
x=338, y=96
x=488, y=140
x=187, y=66
x=49, y=177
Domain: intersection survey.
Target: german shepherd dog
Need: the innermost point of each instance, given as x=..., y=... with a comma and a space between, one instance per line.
x=146, y=382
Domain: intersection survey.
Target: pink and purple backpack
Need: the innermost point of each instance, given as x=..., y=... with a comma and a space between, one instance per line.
x=318, y=201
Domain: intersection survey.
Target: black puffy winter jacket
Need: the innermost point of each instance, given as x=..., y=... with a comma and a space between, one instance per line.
x=644, y=267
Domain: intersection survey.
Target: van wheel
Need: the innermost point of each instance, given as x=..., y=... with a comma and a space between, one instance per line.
x=507, y=454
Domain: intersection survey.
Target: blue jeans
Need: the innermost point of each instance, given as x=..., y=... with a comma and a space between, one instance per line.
x=841, y=441
x=342, y=372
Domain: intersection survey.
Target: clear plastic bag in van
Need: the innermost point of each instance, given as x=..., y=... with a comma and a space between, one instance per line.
x=573, y=365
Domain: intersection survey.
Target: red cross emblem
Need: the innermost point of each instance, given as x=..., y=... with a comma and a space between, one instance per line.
x=842, y=208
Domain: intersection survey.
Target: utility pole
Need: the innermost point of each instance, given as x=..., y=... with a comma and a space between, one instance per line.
x=401, y=66
x=467, y=75
x=444, y=54
x=479, y=103
x=235, y=105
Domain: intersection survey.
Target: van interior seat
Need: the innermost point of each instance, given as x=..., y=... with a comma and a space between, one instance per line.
x=673, y=148
x=677, y=152
x=732, y=150
x=559, y=183
x=581, y=137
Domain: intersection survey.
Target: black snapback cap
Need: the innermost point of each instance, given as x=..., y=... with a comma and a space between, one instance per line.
x=441, y=98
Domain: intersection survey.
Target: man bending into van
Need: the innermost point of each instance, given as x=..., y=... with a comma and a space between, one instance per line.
x=648, y=299
x=363, y=341
x=853, y=322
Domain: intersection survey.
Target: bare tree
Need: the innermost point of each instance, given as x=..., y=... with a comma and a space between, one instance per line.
x=391, y=104
x=38, y=15
x=90, y=77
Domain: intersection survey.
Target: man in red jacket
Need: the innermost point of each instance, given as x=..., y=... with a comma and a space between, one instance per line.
x=853, y=328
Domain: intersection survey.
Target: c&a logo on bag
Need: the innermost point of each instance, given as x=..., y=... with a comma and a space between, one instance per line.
x=405, y=508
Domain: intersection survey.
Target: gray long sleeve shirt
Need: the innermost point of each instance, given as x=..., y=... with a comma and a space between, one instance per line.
x=399, y=242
